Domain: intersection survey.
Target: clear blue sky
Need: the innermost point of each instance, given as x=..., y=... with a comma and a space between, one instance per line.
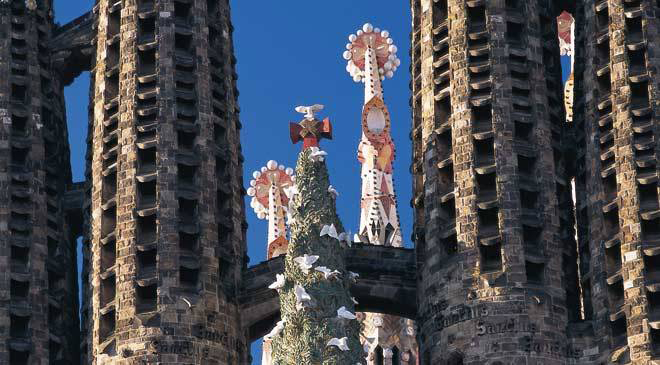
x=290, y=55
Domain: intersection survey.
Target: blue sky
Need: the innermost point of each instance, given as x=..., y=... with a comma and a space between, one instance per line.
x=287, y=56
x=290, y=55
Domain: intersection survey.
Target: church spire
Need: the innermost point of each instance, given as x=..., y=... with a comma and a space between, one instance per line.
x=269, y=201
x=371, y=56
x=317, y=322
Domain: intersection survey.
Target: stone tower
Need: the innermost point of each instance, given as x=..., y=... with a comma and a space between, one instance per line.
x=166, y=218
x=371, y=57
x=497, y=258
x=616, y=119
x=38, y=288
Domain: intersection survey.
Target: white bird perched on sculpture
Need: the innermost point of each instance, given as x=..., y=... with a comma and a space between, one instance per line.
x=353, y=276
x=341, y=343
x=302, y=298
x=278, y=283
x=309, y=111
x=333, y=191
x=306, y=262
x=276, y=330
x=344, y=313
x=327, y=273
x=329, y=230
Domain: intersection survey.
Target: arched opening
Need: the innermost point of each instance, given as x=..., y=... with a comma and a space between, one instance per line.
x=455, y=359
x=396, y=356
x=378, y=356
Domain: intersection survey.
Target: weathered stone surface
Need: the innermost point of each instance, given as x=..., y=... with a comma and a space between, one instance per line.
x=492, y=170
x=38, y=287
x=496, y=259
x=72, y=47
x=165, y=217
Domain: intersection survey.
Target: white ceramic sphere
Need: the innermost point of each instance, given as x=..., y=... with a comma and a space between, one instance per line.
x=261, y=215
x=352, y=37
x=289, y=171
x=384, y=34
x=280, y=167
x=272, y=165
x=251, y=191
x=390, y=41
x=264, y=169
x=397, y=62
x=359, y=32
x=389, y=74
x=376, y=30
x=347, y=55
x=256, y=174
x=393, y=48
x=368, y=28
x=387, y=66
x=357, y=78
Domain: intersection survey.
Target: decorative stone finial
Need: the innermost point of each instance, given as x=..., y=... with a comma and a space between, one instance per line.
x=310, y=130
x=270, y=201
x=371, y=56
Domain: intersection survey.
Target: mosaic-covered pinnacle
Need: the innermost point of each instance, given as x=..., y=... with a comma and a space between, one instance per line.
x=369, y=38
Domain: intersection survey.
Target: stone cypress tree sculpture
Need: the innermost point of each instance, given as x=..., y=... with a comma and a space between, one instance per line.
x=318, y=325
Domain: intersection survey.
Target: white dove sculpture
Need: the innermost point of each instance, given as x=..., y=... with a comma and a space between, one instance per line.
x=327, y=273
x=302, y=298
x=344, y=313
x=341, y=343
x=291, y=191
x=306, y=262
x=317, y=155
x=276, y=330
x=329, y=230
x=346, y=237
x=278, y=283
x=289, y=218
x=309, y=111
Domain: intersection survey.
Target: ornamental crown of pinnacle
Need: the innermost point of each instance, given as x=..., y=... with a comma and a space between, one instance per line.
x=382, y=45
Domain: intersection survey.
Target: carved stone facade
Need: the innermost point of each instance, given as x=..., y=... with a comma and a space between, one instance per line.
x=165, y=221
x=501, y=275
x=497, y=275
x=616, y=117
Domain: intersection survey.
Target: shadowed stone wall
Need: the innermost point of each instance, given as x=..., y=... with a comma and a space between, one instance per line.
x=166, y=220
x=38, y=288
